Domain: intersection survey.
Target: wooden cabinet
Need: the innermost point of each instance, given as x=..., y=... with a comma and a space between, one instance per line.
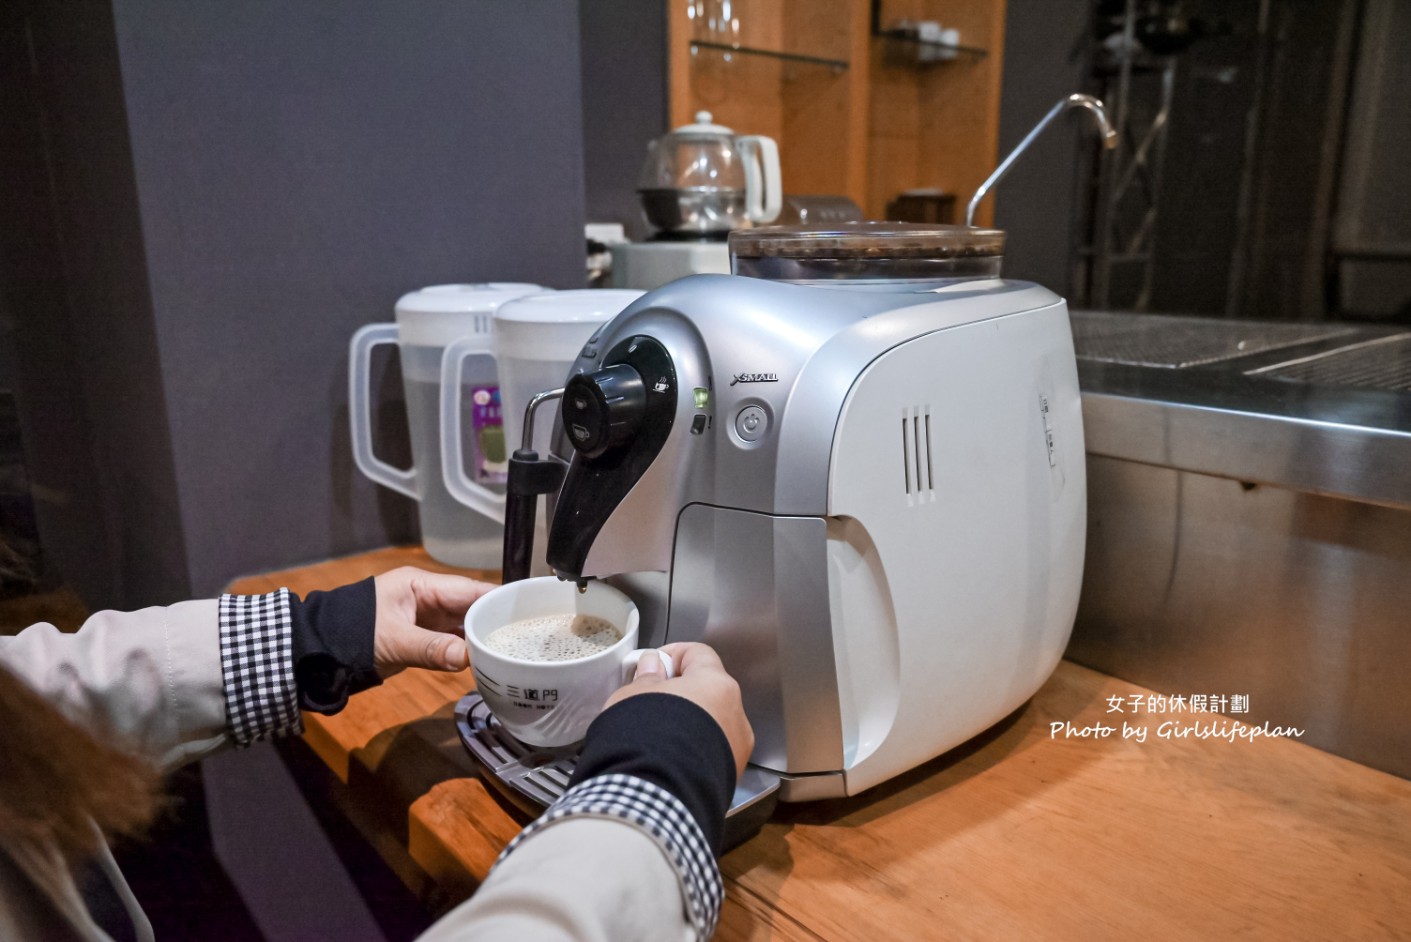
x=854, y=113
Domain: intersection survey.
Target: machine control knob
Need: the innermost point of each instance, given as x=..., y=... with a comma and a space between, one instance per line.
x=603, y=409
x=751, y=423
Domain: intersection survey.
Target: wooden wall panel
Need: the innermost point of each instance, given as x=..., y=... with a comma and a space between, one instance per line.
x=959, y=104
x=869, y=131
x=819, y=149
x=741, y=91
x=893, y=136
x=742, y=94
x=937, y=125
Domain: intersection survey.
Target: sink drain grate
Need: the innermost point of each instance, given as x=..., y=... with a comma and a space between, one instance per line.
x=1384, y=363
x=1175, y=342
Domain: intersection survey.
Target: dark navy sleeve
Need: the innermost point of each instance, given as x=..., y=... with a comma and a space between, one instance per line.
x=333, y=645
x=671, y=742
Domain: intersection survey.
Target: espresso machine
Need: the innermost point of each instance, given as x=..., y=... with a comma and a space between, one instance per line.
x=856, y=469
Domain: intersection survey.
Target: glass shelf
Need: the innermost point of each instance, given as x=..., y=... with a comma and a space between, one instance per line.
x=911, y=39
x=729, y=49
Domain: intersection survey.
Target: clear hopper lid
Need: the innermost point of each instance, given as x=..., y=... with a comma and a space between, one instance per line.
x=867, y=251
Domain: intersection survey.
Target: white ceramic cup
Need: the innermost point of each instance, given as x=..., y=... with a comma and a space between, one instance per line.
x=551, y=703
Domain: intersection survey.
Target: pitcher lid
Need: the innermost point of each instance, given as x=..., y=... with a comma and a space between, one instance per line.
x=481, y=298
x=573, y=306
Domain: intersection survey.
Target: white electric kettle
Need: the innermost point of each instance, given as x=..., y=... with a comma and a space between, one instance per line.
x=702, y=180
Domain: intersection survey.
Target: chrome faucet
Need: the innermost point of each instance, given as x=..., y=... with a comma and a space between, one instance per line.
x=1099, y=113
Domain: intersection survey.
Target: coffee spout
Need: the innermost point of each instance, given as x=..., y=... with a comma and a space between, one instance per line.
x=529, y=476
x=1087, y=102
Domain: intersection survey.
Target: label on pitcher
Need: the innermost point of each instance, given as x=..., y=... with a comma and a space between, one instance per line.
x=491, y=458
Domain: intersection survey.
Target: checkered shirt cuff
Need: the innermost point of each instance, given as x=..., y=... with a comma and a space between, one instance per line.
x=664, y=818
x=257, y=666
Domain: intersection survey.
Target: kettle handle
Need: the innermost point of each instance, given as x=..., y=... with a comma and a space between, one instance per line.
x=360, y=410
x=762, y=202
x=471, y=493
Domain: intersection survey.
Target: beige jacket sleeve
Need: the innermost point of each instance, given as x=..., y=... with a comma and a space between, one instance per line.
x=585, y=879
x=153, y=676
x=615, y=858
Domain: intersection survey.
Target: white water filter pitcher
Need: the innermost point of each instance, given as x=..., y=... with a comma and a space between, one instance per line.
x=537, y=338
x=456, y=532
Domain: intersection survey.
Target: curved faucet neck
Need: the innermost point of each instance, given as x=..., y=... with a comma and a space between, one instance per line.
x=1087, y=102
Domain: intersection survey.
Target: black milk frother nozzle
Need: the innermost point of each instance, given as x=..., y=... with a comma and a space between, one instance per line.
x=529, y=476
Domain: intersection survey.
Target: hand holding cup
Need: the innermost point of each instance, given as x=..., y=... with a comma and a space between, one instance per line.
x=418, y=619
x=702, y=679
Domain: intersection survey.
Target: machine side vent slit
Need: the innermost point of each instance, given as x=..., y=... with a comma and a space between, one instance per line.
x=906, y=453
x=930, y=473
x=916, y=451
x=916, y=434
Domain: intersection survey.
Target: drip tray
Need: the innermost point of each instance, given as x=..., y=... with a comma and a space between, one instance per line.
x=532, y=778
x=1178, y=342
x=1384, y=363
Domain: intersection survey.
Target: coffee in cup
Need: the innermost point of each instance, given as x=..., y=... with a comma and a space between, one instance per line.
x=546, y=656
x=562, y=637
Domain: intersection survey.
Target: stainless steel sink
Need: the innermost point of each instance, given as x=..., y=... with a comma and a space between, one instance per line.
x=1249, y=526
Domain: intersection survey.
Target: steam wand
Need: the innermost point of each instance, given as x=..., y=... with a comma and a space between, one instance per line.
x=529, y=476
x=1099, y=113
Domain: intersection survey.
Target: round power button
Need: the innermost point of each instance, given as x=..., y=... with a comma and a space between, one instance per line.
x=751, y=423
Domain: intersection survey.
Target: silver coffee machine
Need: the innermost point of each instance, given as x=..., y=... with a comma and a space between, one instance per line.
x=856, y=469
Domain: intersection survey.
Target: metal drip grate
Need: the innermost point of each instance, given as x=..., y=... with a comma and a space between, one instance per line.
x=1176, y=342
x=533, y=778
x=1384, y=363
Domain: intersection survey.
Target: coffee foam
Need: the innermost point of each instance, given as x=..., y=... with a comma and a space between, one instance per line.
x=554, y=638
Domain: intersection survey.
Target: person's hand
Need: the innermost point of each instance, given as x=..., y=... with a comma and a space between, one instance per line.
x=419, y=620
x=700, y=678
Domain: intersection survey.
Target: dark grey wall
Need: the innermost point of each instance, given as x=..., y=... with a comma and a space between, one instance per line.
x=1250, y=163
x=237, y=188
x=1198, y=228
x=624, y=102
x=37, y=339
x=1283, y=251
x=90, y=386
x=1046, y=57
x=1372, y=244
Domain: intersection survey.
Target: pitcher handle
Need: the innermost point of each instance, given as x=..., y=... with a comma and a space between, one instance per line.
x=360, y=410
x=459, y=485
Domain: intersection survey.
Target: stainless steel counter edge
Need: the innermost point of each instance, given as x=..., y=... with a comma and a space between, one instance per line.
x=1356, y=462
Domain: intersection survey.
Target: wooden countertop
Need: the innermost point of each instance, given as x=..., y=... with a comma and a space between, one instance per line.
x=1015, y=835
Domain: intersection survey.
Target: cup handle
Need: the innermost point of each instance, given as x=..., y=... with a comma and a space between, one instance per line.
x=629, y=663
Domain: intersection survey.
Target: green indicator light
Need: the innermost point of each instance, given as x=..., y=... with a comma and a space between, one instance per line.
x=702, y=397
